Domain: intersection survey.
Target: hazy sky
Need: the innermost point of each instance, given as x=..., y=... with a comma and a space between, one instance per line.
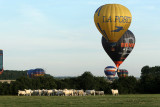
x=61, y=37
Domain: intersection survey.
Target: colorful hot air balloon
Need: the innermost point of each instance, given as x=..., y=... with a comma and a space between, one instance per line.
x=122, y=73
x=1, y=61
x=112, y=21
x=110, y=72
x=29, y=72
x=35, y=72
x=122, y=49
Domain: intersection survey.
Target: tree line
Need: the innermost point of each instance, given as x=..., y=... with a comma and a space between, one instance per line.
x=12, y=74
x=149, y=82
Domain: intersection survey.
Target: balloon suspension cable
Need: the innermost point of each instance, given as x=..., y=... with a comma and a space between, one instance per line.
x=118, y=69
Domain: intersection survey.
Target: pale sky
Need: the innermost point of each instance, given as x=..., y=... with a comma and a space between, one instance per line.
x=60, y=36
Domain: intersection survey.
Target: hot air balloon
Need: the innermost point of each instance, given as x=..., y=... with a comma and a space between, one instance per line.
x=29, y=72
x=35, y=72
x=122, y=49
x=122, y=73
x=110, y=72
x=112, y=21
x=1, y=61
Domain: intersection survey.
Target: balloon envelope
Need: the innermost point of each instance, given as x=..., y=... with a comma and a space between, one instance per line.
x=35, y=72
x=122, y=73
x=112, y=21
x=122, y=49
x=110, y=72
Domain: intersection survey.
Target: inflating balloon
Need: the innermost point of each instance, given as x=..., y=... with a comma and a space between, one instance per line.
x=112, y=21
x=110, y=72
x=122, y=73
x=122, y=49
x=1, y=61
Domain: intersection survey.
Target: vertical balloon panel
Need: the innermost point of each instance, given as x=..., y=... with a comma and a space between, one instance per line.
x=1, y=61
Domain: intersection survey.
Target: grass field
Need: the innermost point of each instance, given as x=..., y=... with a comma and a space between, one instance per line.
x=138, y=100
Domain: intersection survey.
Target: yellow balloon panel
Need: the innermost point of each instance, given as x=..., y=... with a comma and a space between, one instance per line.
x=112, y=20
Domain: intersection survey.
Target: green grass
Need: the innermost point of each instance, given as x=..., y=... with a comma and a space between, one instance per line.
x=137, y=100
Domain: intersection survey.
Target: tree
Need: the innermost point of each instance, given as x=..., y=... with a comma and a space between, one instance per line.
x=149, y=81
x=125, y=85
x=87, y=81
x=145, y=70
x=102, y=84
x=61, y=84
x=4, y=88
